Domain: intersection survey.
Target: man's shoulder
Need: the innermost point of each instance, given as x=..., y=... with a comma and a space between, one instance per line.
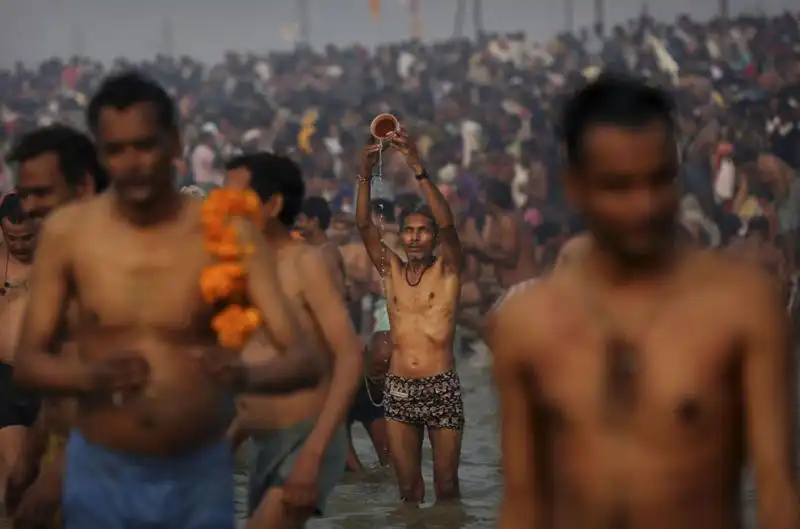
x=522, y=305
x=736, y=284
x=65, y=219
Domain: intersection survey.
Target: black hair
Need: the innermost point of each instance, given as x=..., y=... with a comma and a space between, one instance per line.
x=499, y=193
x=418, y=208
x=384, y=208
x=130, y=88
x=404, y=200
x=612, y=100
x=318, y=208
x=75, y=151
x=273, y=174
x=11, y=209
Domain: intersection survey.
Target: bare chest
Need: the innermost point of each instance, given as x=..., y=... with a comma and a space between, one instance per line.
x=677, y=377
x=153, y=286
x=430, y=290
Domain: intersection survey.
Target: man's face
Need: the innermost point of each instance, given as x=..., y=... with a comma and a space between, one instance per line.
x=137, y=153
x=626, y=187
x=340, y=231
x=20, y=239
x=306, y=225
x=42, y=187
x=417, y=237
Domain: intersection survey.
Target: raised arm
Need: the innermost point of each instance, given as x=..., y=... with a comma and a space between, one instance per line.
x=447, y=234
x=332, y=319
x=301, y=365
x=378, y=252
x=36, y=367
x=767, y=385
x=521, y=507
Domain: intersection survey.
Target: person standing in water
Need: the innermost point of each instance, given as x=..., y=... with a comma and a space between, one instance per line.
x=153, y=386
x=297, y=443
x=17, y=410
x=632, y=380
x=422, y=387
x=55, y=165
x=313, y=223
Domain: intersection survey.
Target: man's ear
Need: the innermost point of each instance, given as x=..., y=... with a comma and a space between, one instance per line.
x=87, y=188
x=274, y=206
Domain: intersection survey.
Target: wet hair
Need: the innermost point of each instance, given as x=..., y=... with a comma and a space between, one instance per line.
x=758, y=225
x=612, y=100
x=75, y=151
x=318, y=208
x=11, y=209
x=405, y=200
x=499, y=193
x=124, y=90
x=384, y=208
x=274, y=174
x=418, y=208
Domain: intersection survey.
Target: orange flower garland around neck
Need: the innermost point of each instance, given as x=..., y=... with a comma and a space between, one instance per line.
x=225, y=281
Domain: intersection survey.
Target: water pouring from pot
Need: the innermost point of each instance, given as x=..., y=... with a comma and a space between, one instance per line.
x=383, y=126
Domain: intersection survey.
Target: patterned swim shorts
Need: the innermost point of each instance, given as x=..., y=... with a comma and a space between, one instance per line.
x=434, y=401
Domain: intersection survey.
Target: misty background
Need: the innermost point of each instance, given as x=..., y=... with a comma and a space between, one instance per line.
x=32, y=30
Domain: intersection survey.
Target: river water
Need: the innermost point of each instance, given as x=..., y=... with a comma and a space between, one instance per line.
x=372, y=501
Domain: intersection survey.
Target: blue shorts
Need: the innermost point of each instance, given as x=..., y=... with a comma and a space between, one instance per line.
x=114, y=490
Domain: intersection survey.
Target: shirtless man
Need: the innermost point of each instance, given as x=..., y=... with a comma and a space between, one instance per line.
x=55, y=165
x=298, y=443
x=422, y=388
x=505, y=241
x=153, y=387
x=17, y=410
x=573, y=250
x=312, y=223
x=651, y=366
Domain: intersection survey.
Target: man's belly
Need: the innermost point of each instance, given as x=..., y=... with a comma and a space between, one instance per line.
x=180, y=409
x=639, y=488
x=416, y=358
x=265, y=414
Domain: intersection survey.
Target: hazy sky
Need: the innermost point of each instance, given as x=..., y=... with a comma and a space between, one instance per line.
x=34, y=29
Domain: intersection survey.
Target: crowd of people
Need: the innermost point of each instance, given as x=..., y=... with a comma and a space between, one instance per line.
x=472, y=215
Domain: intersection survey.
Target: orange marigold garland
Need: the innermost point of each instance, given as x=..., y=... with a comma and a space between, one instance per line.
x=225, y=281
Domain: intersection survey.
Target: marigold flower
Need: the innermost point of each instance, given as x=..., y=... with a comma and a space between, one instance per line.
x=225, y=279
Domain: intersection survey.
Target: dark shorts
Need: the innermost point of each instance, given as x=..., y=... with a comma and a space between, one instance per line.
x=115, y=490
x=434, y=401
x=363, y=410
x=270, y=459
x=17, y=408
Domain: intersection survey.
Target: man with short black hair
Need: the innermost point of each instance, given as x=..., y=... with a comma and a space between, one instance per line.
x=297, y=442
x=55, y=165
x=313, y=222
x=422, y=289
x=17, y=410
x=153, y=384
x=632, y=379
